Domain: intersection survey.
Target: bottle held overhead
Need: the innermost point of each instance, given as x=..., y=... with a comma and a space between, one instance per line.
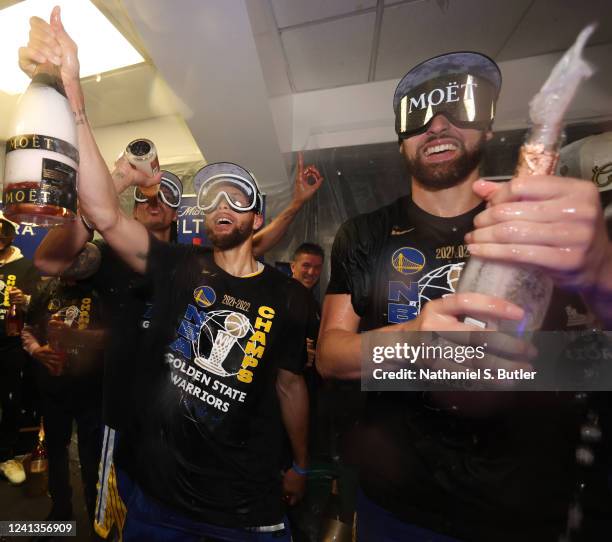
x=142, y=155
x=42, y=157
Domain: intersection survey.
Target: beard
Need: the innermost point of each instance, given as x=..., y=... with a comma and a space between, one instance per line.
x=232, y=239
x=446, y=174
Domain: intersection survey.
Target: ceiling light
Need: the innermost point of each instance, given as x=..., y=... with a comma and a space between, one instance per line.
x=101, y=46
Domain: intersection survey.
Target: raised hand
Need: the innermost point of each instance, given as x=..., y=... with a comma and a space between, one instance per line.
x=307, y=181
x=550, y=222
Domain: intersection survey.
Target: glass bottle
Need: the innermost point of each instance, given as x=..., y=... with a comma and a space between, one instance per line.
x=42, y=155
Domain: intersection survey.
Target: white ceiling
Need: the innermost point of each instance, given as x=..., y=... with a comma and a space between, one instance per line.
x=200, y=64
x=325, y=44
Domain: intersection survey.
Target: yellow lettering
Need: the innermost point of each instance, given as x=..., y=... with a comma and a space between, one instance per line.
x=256, y=351
x=246, y=376
x=259, y=337
x=249, y=361
x=48, y=143
x=23, y=142
x=36, y=142
x=266, y=312
x=263, y=324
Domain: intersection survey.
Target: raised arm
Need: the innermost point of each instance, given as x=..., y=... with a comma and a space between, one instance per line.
x=60, y=247
x=268, y=237
x=97, y=195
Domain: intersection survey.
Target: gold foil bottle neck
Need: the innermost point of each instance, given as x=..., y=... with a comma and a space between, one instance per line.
x=534, y=159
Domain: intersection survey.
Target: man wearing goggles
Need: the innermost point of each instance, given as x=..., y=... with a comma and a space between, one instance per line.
x=218, y=374
x=471, y=466
x=170, y=191
x=159, y=213
x=231, y=200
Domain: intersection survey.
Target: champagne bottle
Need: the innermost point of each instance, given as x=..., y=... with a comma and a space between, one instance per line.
x=13, y=321
x=38, y=472
x=142, y=155
x=336, y=526
x=42, y=157
x=531, y=288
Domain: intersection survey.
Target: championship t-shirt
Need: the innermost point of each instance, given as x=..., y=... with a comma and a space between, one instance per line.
x=208, y=437
x=19, y=273
x=79, y=307
x=507, y=470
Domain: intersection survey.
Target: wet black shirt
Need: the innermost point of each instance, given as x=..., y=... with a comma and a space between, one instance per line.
x=507, y=475
x=208, y=442
x=125, y=297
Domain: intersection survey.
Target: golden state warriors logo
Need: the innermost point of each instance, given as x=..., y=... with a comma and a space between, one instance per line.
x=204, y=296
x=408, y=261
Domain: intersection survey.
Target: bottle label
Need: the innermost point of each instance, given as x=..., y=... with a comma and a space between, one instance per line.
x=57, y=187
x=38, y=465
x=42, y=142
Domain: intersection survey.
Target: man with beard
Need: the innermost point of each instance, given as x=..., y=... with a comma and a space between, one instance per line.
x=218, y=375
x=447, y=467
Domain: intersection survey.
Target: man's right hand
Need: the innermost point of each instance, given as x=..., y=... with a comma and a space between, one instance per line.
x=49, y=42
x=52, y=360
x=124, y=176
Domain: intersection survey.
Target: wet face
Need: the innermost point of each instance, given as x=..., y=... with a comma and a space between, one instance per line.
x=154, y=215
x=226, y=228
x=444, y=155
x=307, y=269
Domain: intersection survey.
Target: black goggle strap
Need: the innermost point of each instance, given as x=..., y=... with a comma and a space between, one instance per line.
x=467, y=100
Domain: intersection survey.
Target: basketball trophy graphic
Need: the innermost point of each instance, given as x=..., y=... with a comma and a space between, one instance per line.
x=71, y=315
x=220, y=332
x=439, y=282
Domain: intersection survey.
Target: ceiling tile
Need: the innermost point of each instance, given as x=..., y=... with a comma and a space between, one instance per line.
x=552, y=25
x=269, y=47
x=330, y=54
x=292, y=12
x=134, y=93
x=415, y=31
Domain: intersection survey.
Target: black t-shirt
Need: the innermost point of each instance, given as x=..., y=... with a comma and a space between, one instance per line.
x=208, y=438
x=20, y=274
x=79, y=305
x=125, y=297
x=506, y=476
x=314, y=318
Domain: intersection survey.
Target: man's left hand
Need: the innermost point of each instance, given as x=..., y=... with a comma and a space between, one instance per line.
x=294, y=486
x=550, y=222
x=307, y=181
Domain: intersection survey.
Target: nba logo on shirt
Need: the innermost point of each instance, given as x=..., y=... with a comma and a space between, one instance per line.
x=408, y=260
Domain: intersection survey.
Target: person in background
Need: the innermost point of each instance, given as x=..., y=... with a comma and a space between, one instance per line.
x=18, y=279
x=63, y=334
x=306, y=268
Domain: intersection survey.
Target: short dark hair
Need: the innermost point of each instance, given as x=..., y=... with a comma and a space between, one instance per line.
x=309, y=248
